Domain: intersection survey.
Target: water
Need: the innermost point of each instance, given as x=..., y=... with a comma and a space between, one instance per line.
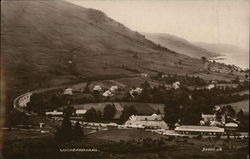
x=240, y=60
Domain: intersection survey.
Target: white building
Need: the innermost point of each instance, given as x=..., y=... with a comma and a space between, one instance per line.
x=80, y=112
x=97, y=88
x=210, y=86
x=68, y=91
x=54, y=113
x=107, y=93
x=154, y=120
x=144, y=75
x=176, y=85
x=194, y=129
x=137, y=90
x=113, y=88
x=22, y=102
x=208, y=117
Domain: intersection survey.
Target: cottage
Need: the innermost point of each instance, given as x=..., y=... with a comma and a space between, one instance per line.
x=97, y=88
x=176, y=85
x=54, y=113
x=68, y=91
x=80, y=112
x=153, y=121
x=193, y=129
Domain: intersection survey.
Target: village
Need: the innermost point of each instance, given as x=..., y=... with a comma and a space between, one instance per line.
x=219, y=123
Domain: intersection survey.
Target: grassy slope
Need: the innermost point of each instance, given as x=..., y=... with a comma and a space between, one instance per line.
x=39, y=38
x=179, y=45
x=244, y=105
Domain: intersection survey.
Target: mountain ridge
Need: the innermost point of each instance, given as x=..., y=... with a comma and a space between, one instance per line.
x=72, y=43
x=180, y=45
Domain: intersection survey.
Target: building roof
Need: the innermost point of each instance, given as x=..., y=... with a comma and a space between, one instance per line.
x=81, y=111
x=207, y=115
x=145, y=117
x=195, y=128
x=231, y=125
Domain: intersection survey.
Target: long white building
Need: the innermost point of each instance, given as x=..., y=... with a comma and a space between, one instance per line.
x=154, y=121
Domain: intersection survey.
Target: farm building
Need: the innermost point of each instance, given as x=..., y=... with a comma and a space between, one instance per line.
x=231, y=127
x=54, y=113
x=208, y=117
x=68, y=91
x=154, y=120
x=80, y=112
x=193, y=129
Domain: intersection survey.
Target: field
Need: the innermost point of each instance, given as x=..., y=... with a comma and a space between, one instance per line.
x=124, y=134
x=32, y=145
x=244, y=105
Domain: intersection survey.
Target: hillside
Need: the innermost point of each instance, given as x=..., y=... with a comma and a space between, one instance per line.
x=45, y=43
x=179, y=45
x=221, y=48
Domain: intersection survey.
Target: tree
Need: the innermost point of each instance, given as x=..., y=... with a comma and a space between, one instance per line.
x=158, y=111
x=66, y=130
x=77, y=131
x=99, y=115
x=127, y=112
x=68, y=111
x=91, y=115
x=171, y=112
x=204, y=58
x=145, y=85
x=109, y=112
x=240, y=115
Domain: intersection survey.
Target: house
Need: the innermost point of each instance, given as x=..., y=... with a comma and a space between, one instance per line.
x=107, y=93
x=208, y=117
x=113, y=88
x=144, y=75
x=68, y=91
x=194, y=129
x=210, y=86
x=137, y=90
x=226, y=85
x=54, y=113
x=97, y=88
x=80, y=112
x=176, y=85
x=152, y=121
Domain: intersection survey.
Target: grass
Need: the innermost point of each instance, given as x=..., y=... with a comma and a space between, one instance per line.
x=244, y=105
x=124, y=134
x=40, y=147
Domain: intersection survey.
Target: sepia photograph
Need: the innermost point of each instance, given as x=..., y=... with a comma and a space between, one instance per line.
x=124, y=79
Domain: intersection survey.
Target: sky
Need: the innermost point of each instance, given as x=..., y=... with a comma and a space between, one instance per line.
x=212, y=21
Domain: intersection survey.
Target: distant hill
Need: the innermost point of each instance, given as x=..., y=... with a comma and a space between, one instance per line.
x=48, y=43
x=179, y=45
x=221, y=48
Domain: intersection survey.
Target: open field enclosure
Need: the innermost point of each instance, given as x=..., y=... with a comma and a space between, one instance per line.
x=125, y=134
x=244, y=105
